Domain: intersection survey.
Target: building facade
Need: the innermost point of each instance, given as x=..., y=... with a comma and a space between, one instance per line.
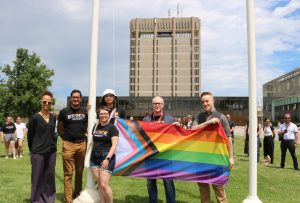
x=282, y=95
x=138, y=107
x=165, y=57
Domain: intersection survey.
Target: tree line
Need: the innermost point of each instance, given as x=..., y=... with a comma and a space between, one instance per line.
x=22, y=83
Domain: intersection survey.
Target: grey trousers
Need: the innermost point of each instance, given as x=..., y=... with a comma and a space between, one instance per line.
x=43, y=177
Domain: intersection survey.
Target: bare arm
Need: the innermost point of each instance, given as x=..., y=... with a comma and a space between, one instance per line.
x=59, y=127
x=111, y=152
x=209, y=122
x=1, y=136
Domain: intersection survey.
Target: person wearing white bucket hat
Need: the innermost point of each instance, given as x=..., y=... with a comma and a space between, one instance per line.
x=110, y=100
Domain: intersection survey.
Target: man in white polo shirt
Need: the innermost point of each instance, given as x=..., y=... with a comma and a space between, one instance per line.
x=290, y=138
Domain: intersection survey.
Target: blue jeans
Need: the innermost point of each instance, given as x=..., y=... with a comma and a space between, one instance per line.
x=169, y=190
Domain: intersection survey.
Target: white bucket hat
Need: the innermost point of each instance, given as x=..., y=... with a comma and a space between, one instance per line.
x=109, y=91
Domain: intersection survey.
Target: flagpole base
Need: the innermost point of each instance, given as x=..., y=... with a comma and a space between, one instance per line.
x=89, y=195
x=252, y=199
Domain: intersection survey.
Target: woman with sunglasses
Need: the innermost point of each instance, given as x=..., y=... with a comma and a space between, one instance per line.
x=103, y=160
x=42, y=146
x=110, y=100
x=269, y=135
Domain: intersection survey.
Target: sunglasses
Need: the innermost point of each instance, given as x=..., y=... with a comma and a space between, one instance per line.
x=287, y=118
x=46, y=102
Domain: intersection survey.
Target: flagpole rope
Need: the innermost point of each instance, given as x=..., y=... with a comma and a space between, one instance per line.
x=113, y=41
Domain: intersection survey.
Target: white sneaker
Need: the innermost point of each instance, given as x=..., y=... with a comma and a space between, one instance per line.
x=17, y=156
x=14, y=158
x=6, y=157
x=21, y=156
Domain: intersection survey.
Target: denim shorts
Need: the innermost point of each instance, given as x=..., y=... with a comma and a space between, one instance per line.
x=98, y=156
x=9, y=137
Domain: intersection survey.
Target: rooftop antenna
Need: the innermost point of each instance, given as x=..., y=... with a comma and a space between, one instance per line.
x=177, y=10
x=181, y=10
x=169, y=13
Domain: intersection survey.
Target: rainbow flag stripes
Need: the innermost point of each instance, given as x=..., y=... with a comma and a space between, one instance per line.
x=164, y=151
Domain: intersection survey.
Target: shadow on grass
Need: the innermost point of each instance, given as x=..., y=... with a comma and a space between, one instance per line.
x=60, y=196
x=136, y=198
x=26, y=200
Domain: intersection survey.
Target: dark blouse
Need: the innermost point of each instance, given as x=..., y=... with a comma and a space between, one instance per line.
x=41, y=137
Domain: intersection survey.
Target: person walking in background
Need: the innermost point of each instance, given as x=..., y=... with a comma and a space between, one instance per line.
x=72, y=127
x=110, y=100
x=231, y=126
x=159, y=116
x=42, y=142
x=269, y=136
x=208, y=117
x=246, y=140
x=8, y=135
x=103, y=159
x=289, y=131
x=21, y=131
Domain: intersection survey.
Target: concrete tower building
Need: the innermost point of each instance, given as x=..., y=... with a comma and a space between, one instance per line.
x=165, y=57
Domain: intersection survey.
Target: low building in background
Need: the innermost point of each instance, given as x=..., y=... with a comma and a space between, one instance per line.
x=138, y=107
x=282, y=95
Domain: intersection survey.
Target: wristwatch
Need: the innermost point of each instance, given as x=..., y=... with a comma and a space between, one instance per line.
x=108, y=158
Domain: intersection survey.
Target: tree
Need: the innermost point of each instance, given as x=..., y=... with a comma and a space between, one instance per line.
x=23, y=84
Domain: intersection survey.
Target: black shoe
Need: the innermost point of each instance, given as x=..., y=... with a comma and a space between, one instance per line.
x=297, y=169
x=75, y=195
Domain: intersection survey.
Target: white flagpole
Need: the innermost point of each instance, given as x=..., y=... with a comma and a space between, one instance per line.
x=90, y=194
x=252, y=196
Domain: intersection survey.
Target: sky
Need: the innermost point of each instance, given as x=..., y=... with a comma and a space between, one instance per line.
x=59, y=31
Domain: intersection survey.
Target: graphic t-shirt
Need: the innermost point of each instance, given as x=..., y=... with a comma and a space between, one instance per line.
x=74, y=123
x=8, y=128
x=102, y=136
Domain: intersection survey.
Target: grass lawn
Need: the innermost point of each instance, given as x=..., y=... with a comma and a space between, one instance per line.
x=274, y=184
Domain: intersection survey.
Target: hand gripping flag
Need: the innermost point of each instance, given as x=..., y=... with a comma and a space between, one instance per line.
x=164, y=151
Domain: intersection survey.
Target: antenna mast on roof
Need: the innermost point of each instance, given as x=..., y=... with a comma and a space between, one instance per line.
x=169, y=13
x=178, y=10
x=181, y=10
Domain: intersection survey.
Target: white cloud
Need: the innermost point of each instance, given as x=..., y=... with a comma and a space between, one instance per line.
x=59, y=31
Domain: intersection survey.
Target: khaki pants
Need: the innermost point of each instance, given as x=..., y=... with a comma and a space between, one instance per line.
x=73, y=157
x=205, y=193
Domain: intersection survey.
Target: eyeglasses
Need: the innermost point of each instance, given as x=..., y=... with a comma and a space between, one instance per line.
x=46, y=102
x=103, y=114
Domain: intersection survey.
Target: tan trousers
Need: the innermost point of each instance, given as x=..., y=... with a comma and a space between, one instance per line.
x=205, y=193
x=73, y=157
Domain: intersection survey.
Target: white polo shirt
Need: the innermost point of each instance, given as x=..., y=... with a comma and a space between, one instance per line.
x=291, y=130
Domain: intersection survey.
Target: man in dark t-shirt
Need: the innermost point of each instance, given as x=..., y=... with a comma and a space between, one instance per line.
x=72, y=127
x=208, y=117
